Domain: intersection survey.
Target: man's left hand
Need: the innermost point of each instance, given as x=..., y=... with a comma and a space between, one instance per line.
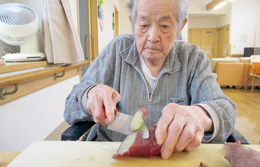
x=181, y=128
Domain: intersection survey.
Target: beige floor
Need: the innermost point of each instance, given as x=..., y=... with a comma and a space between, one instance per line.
x=248, y=116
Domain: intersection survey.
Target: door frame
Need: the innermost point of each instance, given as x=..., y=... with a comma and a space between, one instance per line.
x=91, y=41
x=218, y=41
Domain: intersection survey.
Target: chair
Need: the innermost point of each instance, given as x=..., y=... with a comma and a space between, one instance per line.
x=255, y=69
x=87, y=129
x=230, y=73
x=79, y=131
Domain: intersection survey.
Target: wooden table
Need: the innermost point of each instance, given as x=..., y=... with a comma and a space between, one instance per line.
x=7, y=157
x=99, y=154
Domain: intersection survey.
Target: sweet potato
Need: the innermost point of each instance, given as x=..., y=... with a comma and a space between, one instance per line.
x=138, y=119
x=241, y=156
x=137, y=122
x=142, y=142
x=135, y=145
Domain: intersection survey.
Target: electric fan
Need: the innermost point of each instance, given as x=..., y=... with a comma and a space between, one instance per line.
x=19, y=25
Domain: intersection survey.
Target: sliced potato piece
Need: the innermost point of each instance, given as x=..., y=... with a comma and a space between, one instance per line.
x=138, y=119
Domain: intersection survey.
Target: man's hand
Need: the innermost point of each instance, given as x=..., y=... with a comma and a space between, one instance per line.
x=181, y=128
x=102, y=97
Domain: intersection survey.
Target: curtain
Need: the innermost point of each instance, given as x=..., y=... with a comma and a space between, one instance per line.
x=60, y=38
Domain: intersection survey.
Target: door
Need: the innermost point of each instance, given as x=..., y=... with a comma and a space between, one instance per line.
x=208, y=42
x=194, y=37
x=226, y=45
x=83, y=26
x=88, y=31
x=205, y=39
x=223, y=46
x=93, y=29
x=116, y=23
x=220, y=43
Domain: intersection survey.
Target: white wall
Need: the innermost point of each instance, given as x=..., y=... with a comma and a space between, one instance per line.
x=34, y=116
x=125, y=24
x=184, y=32
x=202, y=22
x=209, y=19
x=245, y=21
x=105, y=36
x=200, y=8
x=223, y=20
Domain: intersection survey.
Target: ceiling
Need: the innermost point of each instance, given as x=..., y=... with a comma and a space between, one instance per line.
x=205, y=15
x=198, y=3
x=199, y=6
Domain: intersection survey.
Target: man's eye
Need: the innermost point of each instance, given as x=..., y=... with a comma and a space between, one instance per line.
x=165, y=26
x=143, y=25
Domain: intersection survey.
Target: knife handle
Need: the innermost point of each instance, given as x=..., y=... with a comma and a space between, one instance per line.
x=105, y=113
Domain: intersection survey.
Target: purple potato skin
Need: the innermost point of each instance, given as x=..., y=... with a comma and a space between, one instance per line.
x=143, y=147
x=241, y=156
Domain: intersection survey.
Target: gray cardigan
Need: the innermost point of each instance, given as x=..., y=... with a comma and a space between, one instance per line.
x=185, y=79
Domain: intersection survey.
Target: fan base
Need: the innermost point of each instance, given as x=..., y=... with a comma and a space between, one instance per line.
x=21, y=57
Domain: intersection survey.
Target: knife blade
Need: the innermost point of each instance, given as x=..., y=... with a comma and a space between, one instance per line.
x=121, y=123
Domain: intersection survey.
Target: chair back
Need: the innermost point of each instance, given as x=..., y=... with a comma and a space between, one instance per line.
x=255, y=61
x=255, y=58
x=92, y=134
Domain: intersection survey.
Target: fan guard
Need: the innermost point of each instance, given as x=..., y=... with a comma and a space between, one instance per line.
x=18, y=23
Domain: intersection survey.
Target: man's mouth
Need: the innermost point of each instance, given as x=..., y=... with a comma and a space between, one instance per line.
x=152, y=48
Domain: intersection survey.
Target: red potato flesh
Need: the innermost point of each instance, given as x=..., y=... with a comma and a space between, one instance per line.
x=241, y=156
x=135, y=145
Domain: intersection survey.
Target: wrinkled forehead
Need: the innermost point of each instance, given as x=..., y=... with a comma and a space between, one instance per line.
x=156, y=6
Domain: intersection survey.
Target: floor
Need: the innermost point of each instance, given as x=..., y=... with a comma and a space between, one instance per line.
x=248, y=116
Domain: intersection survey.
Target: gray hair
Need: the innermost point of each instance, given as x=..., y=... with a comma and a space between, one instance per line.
x=181, y=8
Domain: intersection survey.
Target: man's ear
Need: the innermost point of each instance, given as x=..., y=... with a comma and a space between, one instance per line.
x=184, y=23
x=130, y=18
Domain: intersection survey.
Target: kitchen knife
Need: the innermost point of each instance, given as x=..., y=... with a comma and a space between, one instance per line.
x=121, y=124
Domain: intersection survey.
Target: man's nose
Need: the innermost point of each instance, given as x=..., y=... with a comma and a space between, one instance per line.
x=154, y=34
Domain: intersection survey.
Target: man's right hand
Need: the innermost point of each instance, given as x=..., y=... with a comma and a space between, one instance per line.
x=102, y=97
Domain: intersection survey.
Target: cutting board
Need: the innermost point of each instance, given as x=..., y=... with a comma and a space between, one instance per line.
x=99, y=154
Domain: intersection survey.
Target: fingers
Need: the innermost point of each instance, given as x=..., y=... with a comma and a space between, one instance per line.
x=110, y=102
x=174, y=131
x=178, y=129
x=162, y=126
x=187, y=136
x=100, y=98
x=95, y=108
x=196, y=141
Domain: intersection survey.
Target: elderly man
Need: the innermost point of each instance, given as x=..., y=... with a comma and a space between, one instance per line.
x=172, y=79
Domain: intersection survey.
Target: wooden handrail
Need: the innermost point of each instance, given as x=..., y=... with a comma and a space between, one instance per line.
x=11, y=67
x=16, y=78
